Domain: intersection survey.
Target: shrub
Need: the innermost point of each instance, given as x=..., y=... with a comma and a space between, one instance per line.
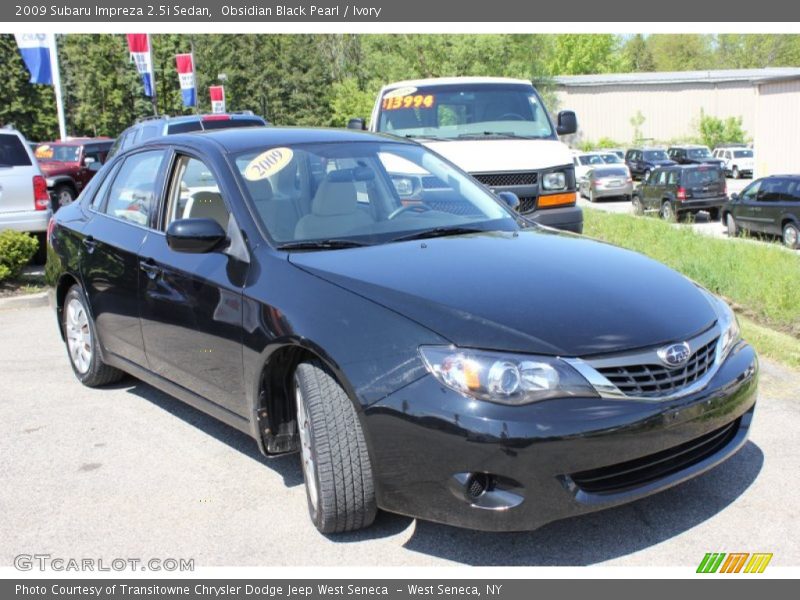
x=16, y=249
x=716, y=132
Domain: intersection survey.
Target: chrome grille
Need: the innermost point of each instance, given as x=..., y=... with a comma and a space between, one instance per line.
x=653, y=380
x=507, y=179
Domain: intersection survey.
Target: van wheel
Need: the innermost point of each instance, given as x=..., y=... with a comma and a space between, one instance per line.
x=667, y=212
x=735, y=173
x=638, y=207
x=82, y=346
x=336, y=465
x=733, y=227
x=791, y=236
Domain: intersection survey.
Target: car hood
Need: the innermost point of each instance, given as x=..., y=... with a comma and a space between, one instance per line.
x=58, y=168
x=534, y=291
x=490, y=155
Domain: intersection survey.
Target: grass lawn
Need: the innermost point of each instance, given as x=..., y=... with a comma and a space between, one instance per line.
x=761, y=282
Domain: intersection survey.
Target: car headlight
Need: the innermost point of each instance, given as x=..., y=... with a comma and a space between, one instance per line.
x=502, y=377
x=554, y=181
x=728, y=323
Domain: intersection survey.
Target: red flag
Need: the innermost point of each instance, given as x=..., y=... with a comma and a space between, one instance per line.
x=217, y=93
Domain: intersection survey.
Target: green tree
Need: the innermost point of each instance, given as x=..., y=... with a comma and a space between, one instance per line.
x=637, y=56
x=715, y=131
x=681, y=52
x=577, y=54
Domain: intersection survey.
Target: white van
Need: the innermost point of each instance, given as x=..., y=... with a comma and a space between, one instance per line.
x=24, y=199
x=496, y=129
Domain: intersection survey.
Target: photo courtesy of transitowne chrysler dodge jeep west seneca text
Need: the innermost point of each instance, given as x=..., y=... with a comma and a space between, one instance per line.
x=431, y=352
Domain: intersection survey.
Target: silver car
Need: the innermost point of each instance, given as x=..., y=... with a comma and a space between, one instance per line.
x=612, y=181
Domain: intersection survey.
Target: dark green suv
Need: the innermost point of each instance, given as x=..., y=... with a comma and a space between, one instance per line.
x=769, y=205
x=676, y=191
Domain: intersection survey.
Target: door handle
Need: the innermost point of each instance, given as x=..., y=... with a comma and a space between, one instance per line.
x=150, y=268
x=89, y=244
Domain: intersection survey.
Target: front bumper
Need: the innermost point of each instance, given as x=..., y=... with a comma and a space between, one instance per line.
x=568, y=218
x=545, y=459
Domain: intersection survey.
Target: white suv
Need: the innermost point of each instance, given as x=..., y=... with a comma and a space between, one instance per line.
x=738, y=160
x=24, y=199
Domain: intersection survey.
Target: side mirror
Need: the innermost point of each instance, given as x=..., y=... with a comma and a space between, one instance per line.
x=88, y=160
x=357, y=123
x=567, y=123
x=195, y=236
x=734, y=196
x=510, y=198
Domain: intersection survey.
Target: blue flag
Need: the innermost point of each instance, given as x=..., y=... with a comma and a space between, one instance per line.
x=35, y=50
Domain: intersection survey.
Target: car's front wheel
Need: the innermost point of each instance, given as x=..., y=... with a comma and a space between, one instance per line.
x=667, y=212
x=336, y=465
x=82, y=345
x=732, y=225
x=791, y=236
x=638, y=207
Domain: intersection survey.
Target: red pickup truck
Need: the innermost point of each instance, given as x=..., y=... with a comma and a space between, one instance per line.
x=69, y=165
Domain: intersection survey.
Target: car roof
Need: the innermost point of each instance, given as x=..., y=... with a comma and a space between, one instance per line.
x=78, y=141
x=688, y=146
x=646, y=148
x=240, y=139
x=455, y=81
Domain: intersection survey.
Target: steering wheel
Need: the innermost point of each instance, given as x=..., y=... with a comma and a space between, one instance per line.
x=511, y=117
x=419, y=208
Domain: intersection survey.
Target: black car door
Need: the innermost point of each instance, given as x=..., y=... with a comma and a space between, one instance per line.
x=767, y=207
x=119, y=225
x=773, y=211
x=191, y=304
x=652, y=190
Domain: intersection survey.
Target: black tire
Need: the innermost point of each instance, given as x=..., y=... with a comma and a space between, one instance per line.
x=591, y=196
x=63, y=195
x=97, y=372
x=791, y=236
x=731, y=225
x=344, y=485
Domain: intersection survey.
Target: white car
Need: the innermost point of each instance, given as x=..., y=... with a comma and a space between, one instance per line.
x=738, y=160
x=585, y=162
x=24, y=200
x=496, y=129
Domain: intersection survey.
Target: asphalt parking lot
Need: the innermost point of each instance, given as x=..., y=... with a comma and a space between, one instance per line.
x=130, y=472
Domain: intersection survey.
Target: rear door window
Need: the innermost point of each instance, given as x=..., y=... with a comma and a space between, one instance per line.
x=12, y=152
x=230, y=123
x=772, y=190
x=132, y=196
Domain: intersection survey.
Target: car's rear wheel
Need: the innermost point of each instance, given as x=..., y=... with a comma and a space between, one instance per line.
x=81, y=339
x=638, y=207
x=732, y=225
x=667, y=212
x=336, y=465
x=591, y=195
x=791, y=236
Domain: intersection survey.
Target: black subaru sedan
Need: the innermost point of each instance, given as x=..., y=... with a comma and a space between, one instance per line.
x=361, y=301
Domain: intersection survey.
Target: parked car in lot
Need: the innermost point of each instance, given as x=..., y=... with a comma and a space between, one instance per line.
x=642, y=161
x=68, y=165
x=396, y=343
x=611, y=158
x=693, y=154
x=24, y=201
x=585, y=162
x=607, y=181
x=497, y=129
x=738, y=161
x=770, y=205
x=674, y=192
x=157, y=126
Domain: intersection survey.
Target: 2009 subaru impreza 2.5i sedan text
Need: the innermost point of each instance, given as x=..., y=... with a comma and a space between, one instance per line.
x=359, y=299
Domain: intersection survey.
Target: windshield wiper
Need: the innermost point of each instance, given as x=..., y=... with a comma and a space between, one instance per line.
x=422, y=136
x=322, y=245
x=500, y=134
x=437, y=232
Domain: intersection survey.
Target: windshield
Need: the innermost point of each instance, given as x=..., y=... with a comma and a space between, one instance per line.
x=365, y=192
x=56, y=153
x=655, y=155
x=743, y=153
x=451, y=112
x=699, y=153
x=591, y=159
x=611, y=158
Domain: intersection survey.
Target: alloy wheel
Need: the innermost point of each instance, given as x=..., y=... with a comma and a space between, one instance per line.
x=306, y=451
x=79, y=336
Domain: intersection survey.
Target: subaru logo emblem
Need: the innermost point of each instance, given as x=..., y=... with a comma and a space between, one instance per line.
x=675, y=355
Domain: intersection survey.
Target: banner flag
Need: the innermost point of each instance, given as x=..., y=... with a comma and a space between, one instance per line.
x=185, y=65
x=217, y=93
x=139, y=46
x=35, y=51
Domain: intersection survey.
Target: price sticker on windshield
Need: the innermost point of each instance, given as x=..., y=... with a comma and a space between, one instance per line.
x=44, y=151
x=268, y=163
x=411, y=101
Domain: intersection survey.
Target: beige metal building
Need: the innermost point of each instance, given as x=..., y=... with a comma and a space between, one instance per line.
x=670, y=104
